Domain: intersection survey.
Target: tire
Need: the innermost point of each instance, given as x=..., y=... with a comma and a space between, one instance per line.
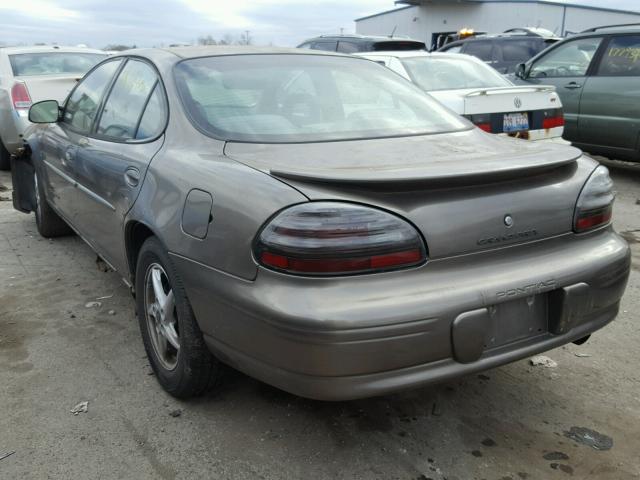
x=5, y=158
x=49, y=223
x=166, y=319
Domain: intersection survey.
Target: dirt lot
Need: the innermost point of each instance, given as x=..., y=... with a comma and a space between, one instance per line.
x=510, y=423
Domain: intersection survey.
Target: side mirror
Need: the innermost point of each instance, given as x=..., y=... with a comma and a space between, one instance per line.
x=521, y=71
x=47, y=111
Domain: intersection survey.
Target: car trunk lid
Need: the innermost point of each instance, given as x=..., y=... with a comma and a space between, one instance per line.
x=458, y=189
x=49, y=87
x=511, y=110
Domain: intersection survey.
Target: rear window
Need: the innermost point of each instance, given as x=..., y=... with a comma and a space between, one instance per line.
x=480, y=49
x=520, y=50
x=305, y=98
x=621, y=58
x=398, y=45
x=53, y=63
x=432, y=73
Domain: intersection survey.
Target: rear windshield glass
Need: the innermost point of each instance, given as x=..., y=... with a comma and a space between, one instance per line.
x=305, y=98
x=398, y=45
x=53, y=63
x=448, y=73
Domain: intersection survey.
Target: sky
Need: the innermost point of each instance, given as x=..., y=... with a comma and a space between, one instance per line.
x=98, y=23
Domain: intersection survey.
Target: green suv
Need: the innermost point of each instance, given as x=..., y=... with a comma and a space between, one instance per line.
x=597, y=75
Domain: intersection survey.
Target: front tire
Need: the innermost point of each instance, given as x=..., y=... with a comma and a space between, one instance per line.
x=49, y=223
x=172, y=339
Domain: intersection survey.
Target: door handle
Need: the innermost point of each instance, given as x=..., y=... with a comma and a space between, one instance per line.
x=573, y=85
x=132, y=176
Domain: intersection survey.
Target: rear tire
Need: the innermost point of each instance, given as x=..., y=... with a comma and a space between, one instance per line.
x=49, y=223
x=5, y=158
x=166, y=322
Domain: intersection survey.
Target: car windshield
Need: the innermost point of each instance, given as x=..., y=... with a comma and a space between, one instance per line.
x=279, y=98
x=53, y=63
x=449, y=73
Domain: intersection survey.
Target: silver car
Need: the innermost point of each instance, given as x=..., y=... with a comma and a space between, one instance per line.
x=318, y=222
x=31, y=74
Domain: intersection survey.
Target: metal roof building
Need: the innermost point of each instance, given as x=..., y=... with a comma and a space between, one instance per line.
x=427, y=19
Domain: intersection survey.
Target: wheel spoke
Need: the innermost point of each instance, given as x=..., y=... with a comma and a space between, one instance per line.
x=169, y=332
x=167, y=307
x=158, y=288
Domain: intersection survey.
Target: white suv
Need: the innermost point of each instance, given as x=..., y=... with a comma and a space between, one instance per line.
x=31, y=74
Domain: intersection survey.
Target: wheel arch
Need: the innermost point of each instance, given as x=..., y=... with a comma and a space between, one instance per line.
x=135, y=234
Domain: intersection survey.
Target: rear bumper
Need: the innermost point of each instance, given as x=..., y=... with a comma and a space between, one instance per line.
x=337, y=339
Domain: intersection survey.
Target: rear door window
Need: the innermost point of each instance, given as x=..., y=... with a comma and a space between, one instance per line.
x=129, y=96
x=621, y=57
x=519, y=50
x=481, y=49
x=325, y=45
x=348, y=47
x=83, y=103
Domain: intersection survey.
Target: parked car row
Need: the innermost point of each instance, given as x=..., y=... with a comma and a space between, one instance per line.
x=473, y=89
x=31, y=74
x=321, y=223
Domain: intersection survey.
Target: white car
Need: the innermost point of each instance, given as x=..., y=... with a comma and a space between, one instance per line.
x=473, y=89
x=31, y=74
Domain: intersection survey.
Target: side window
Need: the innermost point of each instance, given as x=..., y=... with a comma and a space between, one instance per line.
x=454, y=49
x=82, y=106
x=305, y=45
x=481, y=49
x=621, y=58
x=571, y=59
x=348, y=47
x=519, y=50
x=128, y=97
x=326, y=45
x=154, y=116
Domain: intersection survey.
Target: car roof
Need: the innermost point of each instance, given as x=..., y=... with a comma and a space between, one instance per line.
x=375, y=38
x=614, y=30
x=204, y=51
x=419, y=53
x=49, y=48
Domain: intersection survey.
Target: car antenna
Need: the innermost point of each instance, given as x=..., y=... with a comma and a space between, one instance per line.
x=393, y=31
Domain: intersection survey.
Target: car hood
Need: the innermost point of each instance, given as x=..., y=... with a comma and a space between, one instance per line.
x=458, y=189
x=467, y=156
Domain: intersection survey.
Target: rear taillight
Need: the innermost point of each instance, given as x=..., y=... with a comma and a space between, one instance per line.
x=333, y=238
x=482, y=121
x=20, y=96
x=553, y=118
x=595, y=203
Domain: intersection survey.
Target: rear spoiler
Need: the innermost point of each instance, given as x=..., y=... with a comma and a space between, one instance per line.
x=514, y=89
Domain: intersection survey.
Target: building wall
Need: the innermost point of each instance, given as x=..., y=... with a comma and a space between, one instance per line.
x=420, y=22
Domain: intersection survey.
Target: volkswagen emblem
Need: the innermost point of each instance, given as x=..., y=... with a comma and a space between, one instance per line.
x=517, y=102
x=508, y=221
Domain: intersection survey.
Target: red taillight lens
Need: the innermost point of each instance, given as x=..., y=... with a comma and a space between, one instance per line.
x=332, y=238
x=482, y=121
x=595, y=204
x=20, y=96
x=553, y=118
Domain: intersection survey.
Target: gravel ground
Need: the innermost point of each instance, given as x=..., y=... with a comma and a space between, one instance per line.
x=514, y=422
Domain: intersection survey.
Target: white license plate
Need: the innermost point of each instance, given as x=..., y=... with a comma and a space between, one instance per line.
x=515, y=122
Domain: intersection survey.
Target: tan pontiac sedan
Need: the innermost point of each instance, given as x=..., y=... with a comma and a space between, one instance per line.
x=318, y=222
